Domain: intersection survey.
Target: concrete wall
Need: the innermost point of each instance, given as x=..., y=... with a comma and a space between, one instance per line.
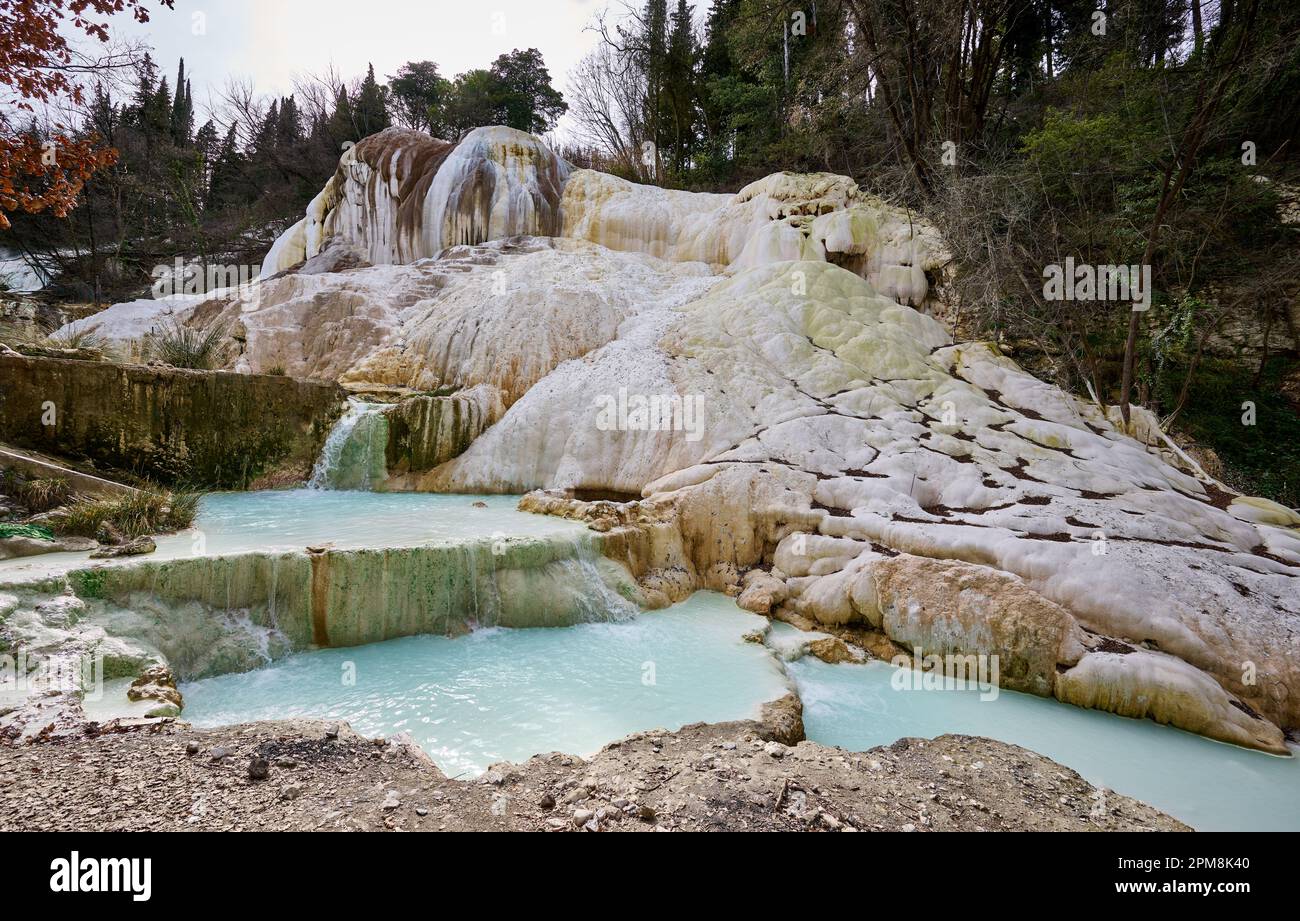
x=211, y=429
x=35, y=467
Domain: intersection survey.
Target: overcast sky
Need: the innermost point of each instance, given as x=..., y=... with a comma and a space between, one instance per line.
x=272, y=40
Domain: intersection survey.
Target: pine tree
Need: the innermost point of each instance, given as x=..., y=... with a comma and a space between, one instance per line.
x=226, y=170
x=146, y=81
x=342, y=126
x=156, y=118
x=103, y=116
x=419, y=95
x=372, y=106
x=654, y=64
x=264, y=142
x=522, y=94
x=289, y=127
x=680, y=86
x=206, y=146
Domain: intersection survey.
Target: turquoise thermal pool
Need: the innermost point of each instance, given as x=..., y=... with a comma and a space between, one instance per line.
x=1208, y=785
x=296, y=518
x=277, y=521
x=505, y=695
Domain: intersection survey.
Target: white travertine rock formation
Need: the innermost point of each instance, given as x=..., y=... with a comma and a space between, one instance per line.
x=399, y=196
x=783, y=217
x=751, y=366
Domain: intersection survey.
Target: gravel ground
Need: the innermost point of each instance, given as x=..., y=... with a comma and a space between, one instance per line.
x=729, y=776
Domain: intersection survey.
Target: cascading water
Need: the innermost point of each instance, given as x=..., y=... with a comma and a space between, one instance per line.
x=380, y=565
x=354, y=455
x=597, y=600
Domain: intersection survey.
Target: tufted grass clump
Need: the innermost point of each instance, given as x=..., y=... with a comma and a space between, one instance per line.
x=135, y=514
x=41, y=495
x=35, y=494
x=181, y=346
x=77, y=338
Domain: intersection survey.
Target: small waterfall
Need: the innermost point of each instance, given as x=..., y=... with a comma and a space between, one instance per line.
x=597, y=600
x=355, y=453
x=550, y=583
x=212, y=615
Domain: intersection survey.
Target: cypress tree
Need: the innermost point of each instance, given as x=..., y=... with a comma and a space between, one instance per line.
x=182, y=118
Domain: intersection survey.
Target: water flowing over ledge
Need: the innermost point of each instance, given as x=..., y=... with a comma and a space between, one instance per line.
x=353, y=456
x=260, y=577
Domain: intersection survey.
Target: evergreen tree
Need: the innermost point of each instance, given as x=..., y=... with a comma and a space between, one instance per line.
x=156, y=119
x=264, y=142
x=226, y=170
x=342, y=125
x=103, y=116
x=680, y=87
x=206, y=146
x=473, y=102
x=654, y=64
x=182, y=118
x=372, y=106
x=289, y=127
x=419, y=95
x=146, y=79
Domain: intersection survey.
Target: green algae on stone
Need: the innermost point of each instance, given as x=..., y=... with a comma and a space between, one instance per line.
x=216, y=614
x=197, y=428
x=33, y=531
x=429, y=430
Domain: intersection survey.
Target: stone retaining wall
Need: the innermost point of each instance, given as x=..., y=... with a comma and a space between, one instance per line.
x=211, y=429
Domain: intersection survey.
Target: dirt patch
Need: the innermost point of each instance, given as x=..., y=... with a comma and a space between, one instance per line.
x=703, y=777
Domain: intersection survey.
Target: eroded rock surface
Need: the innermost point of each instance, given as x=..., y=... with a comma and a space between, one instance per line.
x=198, y=428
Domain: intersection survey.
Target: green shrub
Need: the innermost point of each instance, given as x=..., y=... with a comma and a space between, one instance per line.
x=182, y=346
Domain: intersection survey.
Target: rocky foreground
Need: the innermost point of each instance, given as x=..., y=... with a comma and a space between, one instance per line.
x=301, y=775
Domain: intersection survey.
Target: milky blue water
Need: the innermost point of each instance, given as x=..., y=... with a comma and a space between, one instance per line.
x=286, y=520
x=291, y=519
x=505, y=695
x=1208, y=785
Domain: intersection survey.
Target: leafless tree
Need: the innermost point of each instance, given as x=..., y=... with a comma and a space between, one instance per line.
x=604, y=102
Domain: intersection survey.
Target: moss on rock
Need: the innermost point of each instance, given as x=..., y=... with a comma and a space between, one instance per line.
x=203, y=428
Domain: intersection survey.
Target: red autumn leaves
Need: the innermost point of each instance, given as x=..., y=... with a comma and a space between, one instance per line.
x=37, y=67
